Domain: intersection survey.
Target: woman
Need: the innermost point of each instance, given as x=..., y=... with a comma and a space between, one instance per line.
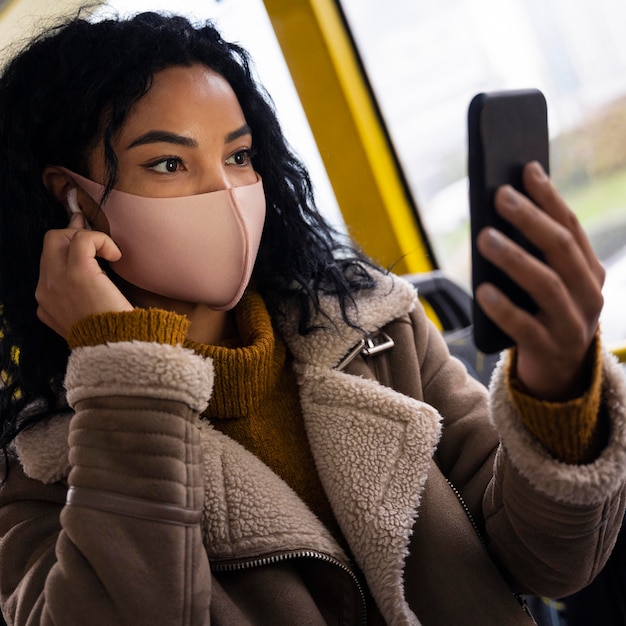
x=181, y=452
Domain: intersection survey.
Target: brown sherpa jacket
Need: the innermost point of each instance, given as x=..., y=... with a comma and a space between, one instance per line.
x=132, y=510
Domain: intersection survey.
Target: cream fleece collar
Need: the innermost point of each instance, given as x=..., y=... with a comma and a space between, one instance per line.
x=391, y=298
x=372, y=446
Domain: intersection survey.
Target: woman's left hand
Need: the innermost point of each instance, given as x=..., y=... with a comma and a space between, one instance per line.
x=552, y=345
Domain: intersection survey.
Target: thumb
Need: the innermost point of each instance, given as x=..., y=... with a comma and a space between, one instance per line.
x=77, y=220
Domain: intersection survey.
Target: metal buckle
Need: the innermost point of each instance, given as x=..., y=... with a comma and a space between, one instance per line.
x=368, y=346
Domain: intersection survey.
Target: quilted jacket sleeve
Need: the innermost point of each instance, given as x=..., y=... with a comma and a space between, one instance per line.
x=560, y=517
x=120, y=542
x=551, y=524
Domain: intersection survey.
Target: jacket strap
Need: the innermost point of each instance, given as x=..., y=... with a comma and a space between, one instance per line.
x=369, y=345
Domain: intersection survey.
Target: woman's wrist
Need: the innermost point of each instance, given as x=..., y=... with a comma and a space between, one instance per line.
x=571, y=431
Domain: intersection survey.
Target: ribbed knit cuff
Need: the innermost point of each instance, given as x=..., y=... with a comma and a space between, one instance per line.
x=570, y=431
x=154, y=325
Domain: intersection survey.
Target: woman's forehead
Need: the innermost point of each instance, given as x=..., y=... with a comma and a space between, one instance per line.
x=185, y=99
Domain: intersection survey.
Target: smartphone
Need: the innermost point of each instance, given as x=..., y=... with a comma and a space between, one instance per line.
x=506, y=130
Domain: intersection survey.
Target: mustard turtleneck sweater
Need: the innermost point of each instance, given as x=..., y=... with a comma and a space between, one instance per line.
x=256, y=403
x=255, y=398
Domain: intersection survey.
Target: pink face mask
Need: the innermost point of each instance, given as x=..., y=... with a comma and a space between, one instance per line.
x=198, y=248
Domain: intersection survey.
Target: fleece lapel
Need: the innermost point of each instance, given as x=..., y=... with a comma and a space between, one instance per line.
x=248, y=510
x=372, y=446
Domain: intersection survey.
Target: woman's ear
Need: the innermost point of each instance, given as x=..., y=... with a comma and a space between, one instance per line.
x=67, y=192
x=58, y=183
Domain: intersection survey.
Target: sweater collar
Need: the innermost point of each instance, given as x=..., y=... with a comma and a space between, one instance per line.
x=246, y=373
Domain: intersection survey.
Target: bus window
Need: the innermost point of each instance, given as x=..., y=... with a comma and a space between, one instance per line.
x=425, y=61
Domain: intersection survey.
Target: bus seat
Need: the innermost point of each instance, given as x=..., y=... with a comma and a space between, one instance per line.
x=453, y=307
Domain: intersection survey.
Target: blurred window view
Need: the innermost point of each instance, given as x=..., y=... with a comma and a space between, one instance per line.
x=425, y=60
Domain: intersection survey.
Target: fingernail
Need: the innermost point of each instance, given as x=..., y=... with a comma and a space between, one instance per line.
x=510, y=197
x=538, y=171
x=489, y=294
x=495, y=238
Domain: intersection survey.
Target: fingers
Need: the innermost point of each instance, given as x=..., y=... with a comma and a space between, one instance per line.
x=553, y=343
x=567, y=264
x=560, y=315
x=86, y=245
x=523, y=327
x=77, y=221
x=540, y=189
x=71, y=283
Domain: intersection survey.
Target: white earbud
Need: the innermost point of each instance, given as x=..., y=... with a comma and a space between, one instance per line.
x=72, y=200
x=72, y=203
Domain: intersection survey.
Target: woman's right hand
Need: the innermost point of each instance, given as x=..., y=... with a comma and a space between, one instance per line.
x=71, y=283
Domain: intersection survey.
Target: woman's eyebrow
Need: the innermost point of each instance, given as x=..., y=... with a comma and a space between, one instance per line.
x=235, y=134
x=162, y=136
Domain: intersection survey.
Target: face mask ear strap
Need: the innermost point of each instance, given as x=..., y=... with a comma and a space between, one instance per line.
x=91, y=188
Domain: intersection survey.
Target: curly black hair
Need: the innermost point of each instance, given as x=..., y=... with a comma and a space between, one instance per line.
x=71, y=88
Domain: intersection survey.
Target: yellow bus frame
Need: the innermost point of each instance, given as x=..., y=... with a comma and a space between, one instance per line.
x=359, y=159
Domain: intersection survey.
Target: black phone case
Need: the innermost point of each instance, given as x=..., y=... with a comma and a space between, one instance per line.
x=506, y=130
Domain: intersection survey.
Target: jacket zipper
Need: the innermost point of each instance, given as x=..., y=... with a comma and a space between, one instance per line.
x=518, y=596
x=459, y=497
x=234, y=566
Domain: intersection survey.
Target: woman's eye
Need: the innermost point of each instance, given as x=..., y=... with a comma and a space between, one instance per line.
x=240, y=158
x=167, y=166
